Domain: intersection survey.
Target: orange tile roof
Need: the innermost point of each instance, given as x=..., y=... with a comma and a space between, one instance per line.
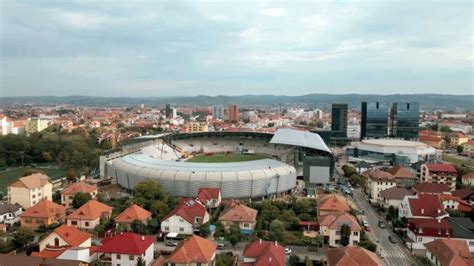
x=193, y=250
x=378, y=174
x=335, y=221
x=50, y=253
x=333, y=202
x=450, y=252
x=352, y=256
x=90, y=211
x=132, y=213
x=71, y=235
x=238, y=212
x=400, y=172
x=32, y=181
x=265, y=253
x=44, y=209
x=78, y=187
x=207, y=194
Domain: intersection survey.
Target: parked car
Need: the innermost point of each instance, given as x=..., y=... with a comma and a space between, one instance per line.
x=220, y=246
x=367, y=228
x=171, y=243
x=382, y=224
x=288, y=251
x=392, y=239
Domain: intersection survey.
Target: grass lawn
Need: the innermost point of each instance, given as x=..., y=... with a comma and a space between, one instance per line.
x=225, y=158
x=458, y=161
x=7, y=177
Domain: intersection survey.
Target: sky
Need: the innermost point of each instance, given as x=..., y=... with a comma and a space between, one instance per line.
x=176, y=48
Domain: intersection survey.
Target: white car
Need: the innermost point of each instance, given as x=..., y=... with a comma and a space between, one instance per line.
x=287, y=251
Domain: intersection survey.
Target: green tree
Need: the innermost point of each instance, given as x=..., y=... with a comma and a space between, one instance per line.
x=141, y=261
x=234, y=235
x=80, y=199
x=306, y=217
x=445, y=129
x=204, y=230
x=345, y=234
x=308, y=261
x=138, y=227
x=294, y=260
x=71, y=175
x=277, y=230
x=23, y=237
x=460, y=149
x=224, y=259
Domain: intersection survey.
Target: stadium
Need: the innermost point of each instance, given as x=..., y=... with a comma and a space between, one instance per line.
x=242, y=164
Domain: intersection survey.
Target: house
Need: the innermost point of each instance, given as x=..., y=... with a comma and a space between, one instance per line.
x=435, y=141
x=468, y=179
x=44, y=213
x=126, y=248
x=423, y=206
x=209, y=197
x=468, y=149
x=10, y=213
x=29, y=190
x=352, y=256
x=132, y=213
x=23, y=260
x=457, y=138
x=378, y=181
x=448, y=252
x=332, y=203
x=439, y=173
x=394, y=196
x=308, y=226
x=463, y=229
x=67, y=194
x=194, y=251
x=422, y=230
x=450, y=201
x=431, y=188
x=88, y=215
x=362, y=166
x=466, y=194
x=186, y=218
x=240, y=214
x=261, y=252
x=330, y=228
x=403, y=176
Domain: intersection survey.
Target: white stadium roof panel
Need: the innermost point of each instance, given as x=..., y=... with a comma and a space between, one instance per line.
x=300, y=138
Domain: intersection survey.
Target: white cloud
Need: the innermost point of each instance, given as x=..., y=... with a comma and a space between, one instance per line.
x=273, y=12
x=83, y=20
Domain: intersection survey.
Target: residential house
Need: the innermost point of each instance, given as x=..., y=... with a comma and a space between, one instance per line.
x=132, y=213
x=209, y=197
x=239, y=213
x=260, y=252
x=378, y=181
x=44, y=213
x=88, y=215
x=68, y=193
x=457, y=139
x=468, y=149
x=352, y=256
x=362, y=166
x=463, y=229
x=23, y=260
x=439, y=173
x=422, y=230
x=449, y=252
x=466, y=194
x=332, y=203
x=186, y=218
x=403, y=176
x=394, y=196
x=423, y=206
x=29, y=190
x=431, y=188
x=468, y=179
x=126, y=248
x=330, y=228
x=10, y=213
x=194, y=251
x=435, y=141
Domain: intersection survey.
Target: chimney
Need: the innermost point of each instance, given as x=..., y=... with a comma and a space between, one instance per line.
x=439, y=211
x=276, y=243
x=422, y=211
x=143, y=237
x=439, y=221
x=260, y=241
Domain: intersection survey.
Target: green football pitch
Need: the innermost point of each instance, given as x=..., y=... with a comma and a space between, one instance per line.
x=225, y=158
x=8, y=176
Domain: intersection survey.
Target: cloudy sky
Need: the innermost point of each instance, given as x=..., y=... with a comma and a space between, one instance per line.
x=143, y=48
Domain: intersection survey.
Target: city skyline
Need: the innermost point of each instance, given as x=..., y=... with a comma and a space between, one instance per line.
x=177, y=49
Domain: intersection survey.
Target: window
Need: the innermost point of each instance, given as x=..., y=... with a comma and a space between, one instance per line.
x=34, y=202
x=131, y=257
x=420, y=239
x=87, y=223
x=167, y=228
x=118, y=256
x=56, y=241
x=355, y=233
x=28, y=221
x=181, y=229
x=338, y=233
x=74, y=222
x=71, y=197
x=246, y=225
x=34, y=196
x=39, y=221
x=181, y=220
x=471, y=243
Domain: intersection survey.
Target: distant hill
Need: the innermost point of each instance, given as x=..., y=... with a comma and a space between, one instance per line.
x=428, y=101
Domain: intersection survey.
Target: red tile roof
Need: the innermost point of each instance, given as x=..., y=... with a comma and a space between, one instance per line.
x=188, y=210
x=450, y=252
x=207, y=194
x=132, y=213
x=441, y=167
x=471, y=142
x=463, y=193
x=352, y=256
x=432, y=188
x=431, y=138
x=426, y=205
x=92, y=210
x=400, y=172
x=378, y=174
x=469, y=175
x=335, y=221
x=238, y=212
x=71, y=235
x=126, y=243
x=333, y=202
x=44, y=209
x=50, y=253
x=265, y=253
x=430, y=227
x=78, y=187
x=193, y=250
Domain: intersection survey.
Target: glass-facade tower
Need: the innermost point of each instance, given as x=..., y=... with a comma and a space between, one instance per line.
x=339, y=117
x=374, y=120
x=405, y=120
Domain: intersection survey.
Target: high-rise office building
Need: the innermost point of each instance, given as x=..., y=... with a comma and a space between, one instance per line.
x=374, y=120
x=217, y=112
x=405, y=120
x=339, y=117
x=168, y=111
x=233, y=113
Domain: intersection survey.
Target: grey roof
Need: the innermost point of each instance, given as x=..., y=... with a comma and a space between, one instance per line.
x=299, y=138
x=463, y=227
x=396, y=193
x=362, y=164
x=8, y=208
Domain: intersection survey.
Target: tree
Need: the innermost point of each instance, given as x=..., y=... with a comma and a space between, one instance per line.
x=294, y=260
x=234, y=234
x=277, y=230
x=23, y=236
x=6, y=246
x=460, y=149
x=138, y=227
x=345, y=234
x=141, y=261
x=307, y=261
x=445, y=129
x=71, y=175
x=204, y=230
x=80, y=199
x=305, y=217
x=224, y=259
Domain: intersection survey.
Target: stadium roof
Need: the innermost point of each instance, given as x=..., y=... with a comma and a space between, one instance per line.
x=299, y=138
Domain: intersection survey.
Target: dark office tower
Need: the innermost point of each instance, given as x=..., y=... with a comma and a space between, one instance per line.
x=339, y=117
x=168, y=111
x=374, y=120
x=233, y=113
x=405, y=120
